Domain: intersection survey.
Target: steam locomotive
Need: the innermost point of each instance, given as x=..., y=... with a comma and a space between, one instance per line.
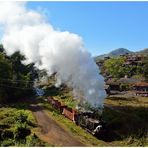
x=85, y=119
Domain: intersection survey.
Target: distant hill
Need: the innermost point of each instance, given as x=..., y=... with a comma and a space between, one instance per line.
x=116, y=52
x=143, y=51
x=119, y=51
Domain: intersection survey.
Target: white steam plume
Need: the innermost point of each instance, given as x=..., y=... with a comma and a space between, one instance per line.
x=62, y=52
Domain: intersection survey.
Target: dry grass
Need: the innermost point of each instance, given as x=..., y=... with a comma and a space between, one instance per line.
x=128, y=117
x=121, y=101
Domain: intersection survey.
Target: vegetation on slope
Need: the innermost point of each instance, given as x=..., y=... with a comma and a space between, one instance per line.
x=116, y=68
x=16, y=127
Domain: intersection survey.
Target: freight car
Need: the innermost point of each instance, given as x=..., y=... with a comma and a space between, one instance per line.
x=84, y=119
x=70, y=113
x=56, y=104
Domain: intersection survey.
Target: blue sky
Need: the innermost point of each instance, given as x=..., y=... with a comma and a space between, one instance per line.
x=104, y=26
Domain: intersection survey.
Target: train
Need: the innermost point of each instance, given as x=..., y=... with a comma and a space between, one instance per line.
x=84, y=119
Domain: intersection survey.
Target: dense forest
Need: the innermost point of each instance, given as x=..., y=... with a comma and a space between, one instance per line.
x=16, y=78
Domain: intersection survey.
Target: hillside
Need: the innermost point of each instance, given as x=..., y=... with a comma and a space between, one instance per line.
x=117, y=111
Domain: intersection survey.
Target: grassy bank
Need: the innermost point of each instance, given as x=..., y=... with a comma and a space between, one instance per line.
x=71, y=127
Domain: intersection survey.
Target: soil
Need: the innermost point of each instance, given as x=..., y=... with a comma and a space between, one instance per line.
x=50, y=131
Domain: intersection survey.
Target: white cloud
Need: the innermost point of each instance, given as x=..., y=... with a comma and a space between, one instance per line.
x=61, y=52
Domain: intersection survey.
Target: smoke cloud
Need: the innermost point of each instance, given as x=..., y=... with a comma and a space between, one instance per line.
x=62, y=52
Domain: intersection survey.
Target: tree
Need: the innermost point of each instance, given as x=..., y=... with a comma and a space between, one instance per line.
x=17, y=66
x=1, y=48
x=23, y=74
x=16, y=78
x=5, y=74
x=5, y=68
x=114, y=67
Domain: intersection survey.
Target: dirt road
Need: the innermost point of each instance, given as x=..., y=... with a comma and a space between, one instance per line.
x=51, y=132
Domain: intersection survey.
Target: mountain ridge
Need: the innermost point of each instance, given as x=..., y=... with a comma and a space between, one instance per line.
x=113, y=53
x=119, y=51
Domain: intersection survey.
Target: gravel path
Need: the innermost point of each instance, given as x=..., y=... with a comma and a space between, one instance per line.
x=51, y=132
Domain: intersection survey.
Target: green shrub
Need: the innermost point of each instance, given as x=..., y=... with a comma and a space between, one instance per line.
x=33, y=140
x=8, y=142
x=21, y=116
x=21, y=131
x=24, y=116
x=7, y=134
x=8, y=121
